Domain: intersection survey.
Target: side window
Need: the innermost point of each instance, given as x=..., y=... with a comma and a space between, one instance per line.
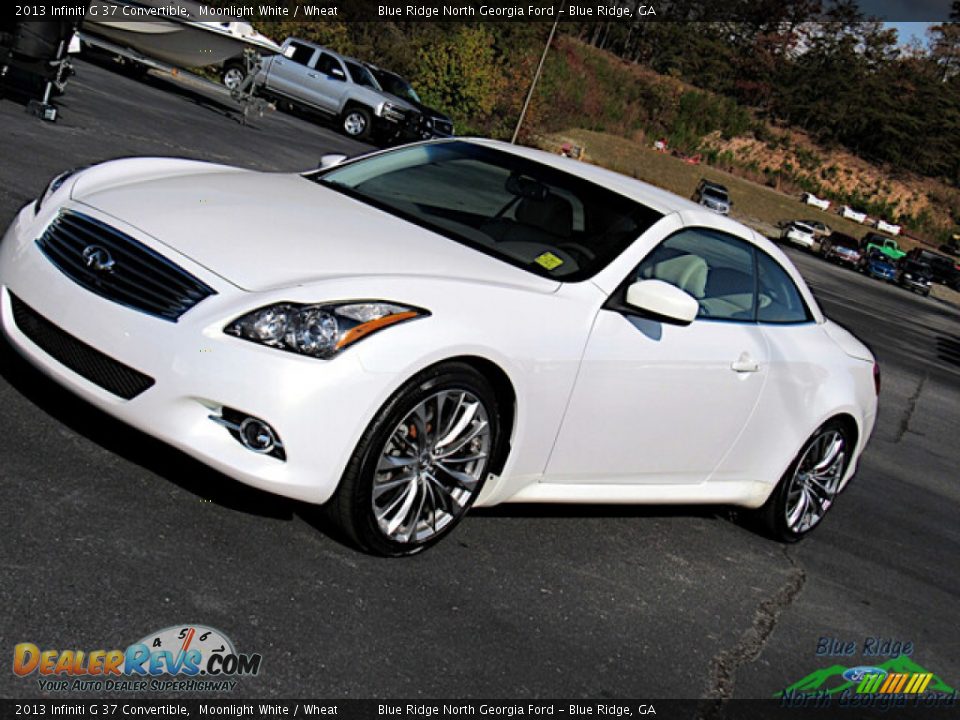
x=779, y=299
x=329, y=65
x=299, y=53
x=715, y=268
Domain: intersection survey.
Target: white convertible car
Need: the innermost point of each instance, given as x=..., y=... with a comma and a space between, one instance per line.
x=454, y=323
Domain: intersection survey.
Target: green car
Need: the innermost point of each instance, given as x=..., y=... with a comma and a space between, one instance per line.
x=876, y=241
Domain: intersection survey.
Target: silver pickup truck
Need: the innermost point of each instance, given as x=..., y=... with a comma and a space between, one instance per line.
x=316, y=78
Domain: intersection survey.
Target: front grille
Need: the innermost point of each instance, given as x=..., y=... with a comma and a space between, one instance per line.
x=113, y=265
x=442, y=126
x=112, y=376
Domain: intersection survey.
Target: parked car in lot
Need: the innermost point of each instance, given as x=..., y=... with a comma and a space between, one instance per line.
x=884, y=226
x=849, y=213
x=820, y=229
x=811, y=199
x=799, y=233
x=877, y=265
x=714, y=196
x=318, y=79
x=435, y=123
x=881, y=243
x=449, y=323
x=914, y=275
x=943, y=269
x=842, y=249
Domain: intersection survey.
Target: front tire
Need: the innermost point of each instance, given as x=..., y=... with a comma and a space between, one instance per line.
x=357, y=123
x=810, y=485
x=421, y=463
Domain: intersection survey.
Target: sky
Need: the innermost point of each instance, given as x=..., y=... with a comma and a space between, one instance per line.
x=908, y=30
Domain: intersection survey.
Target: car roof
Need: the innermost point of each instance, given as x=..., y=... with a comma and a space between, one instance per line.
x=714, y=185
x=341, y=56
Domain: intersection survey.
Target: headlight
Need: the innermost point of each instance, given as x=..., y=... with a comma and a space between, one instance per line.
x=52, y=187
x=319, y=330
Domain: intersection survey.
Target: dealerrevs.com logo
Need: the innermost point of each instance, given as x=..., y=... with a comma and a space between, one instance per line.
x=179, y=658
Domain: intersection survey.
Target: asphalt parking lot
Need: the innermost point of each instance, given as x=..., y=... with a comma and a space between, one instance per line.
x=109, y=535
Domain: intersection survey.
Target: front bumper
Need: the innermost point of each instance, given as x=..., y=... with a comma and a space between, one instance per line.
x=880, y=274
x=851, y=260
x=912, y=284
x=799, y=239
x=318, y=408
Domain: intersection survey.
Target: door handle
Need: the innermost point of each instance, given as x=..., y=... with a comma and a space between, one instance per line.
x=313, y=75
x=744, y=364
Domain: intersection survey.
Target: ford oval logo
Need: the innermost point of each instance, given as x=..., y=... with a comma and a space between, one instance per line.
x=98, y=259
x=855, y=674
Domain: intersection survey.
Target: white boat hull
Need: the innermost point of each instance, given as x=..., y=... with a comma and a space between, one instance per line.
x=185, y=43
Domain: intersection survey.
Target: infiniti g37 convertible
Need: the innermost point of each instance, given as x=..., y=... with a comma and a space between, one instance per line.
x=404, y=335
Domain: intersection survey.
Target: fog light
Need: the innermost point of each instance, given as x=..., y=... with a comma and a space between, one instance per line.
x=251, y=432
x=257, y=436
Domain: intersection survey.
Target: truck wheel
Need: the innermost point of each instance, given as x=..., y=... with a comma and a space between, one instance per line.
x=233, y=75
x=357, y=123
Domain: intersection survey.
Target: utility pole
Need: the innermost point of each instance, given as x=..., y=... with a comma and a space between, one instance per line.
x=536, y=75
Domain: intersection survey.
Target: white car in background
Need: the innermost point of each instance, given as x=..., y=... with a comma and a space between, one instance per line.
x=811, y=199
x=849, y=213
x=884, y=226
x=800, y=234
x=410, y=333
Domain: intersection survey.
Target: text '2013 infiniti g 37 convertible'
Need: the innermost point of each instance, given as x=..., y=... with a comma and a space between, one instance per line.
x=453, y=323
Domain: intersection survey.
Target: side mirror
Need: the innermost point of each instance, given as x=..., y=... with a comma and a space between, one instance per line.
x=663, y=301
x=331, y=159
x=337, y=74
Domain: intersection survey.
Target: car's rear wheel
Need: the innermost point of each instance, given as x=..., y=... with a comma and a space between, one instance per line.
x=809, y=487
x=357, y=123
x=421, y=463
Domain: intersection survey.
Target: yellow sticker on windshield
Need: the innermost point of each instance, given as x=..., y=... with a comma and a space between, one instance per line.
x=549, y=261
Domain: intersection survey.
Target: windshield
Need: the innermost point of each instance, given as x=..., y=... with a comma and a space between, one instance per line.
x=396, y=85
x=715, y=193
x=530, y=215
x=362, y=76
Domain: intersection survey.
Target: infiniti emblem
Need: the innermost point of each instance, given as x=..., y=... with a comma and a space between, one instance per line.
x=98, y=259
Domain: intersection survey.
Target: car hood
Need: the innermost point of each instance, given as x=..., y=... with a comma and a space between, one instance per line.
x=262, y=231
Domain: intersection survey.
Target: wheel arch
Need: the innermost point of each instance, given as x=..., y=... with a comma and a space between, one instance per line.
x=353, y=104
x=506, y=396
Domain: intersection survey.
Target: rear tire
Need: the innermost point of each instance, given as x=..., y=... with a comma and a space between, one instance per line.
x=809, y=487
x=421, y=463
x=233, y=76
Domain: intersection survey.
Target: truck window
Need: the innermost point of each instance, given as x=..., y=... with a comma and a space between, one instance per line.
x=329, y=65
x=299, y=53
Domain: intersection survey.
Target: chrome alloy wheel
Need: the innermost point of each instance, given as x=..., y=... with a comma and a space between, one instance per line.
x=354, y=123
x=431, y=466
x=816, y=481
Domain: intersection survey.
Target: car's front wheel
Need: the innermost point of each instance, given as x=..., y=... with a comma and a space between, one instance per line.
x=810, y=485
x=357, y=123
x=421, y=463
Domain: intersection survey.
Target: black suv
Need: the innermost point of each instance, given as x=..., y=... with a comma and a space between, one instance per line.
x=943, y=269
x=434, y=124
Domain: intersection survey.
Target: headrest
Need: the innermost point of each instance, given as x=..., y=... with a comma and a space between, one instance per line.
x=553, y=214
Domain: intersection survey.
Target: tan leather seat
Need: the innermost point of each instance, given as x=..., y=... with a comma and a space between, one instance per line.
x=687, y=272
